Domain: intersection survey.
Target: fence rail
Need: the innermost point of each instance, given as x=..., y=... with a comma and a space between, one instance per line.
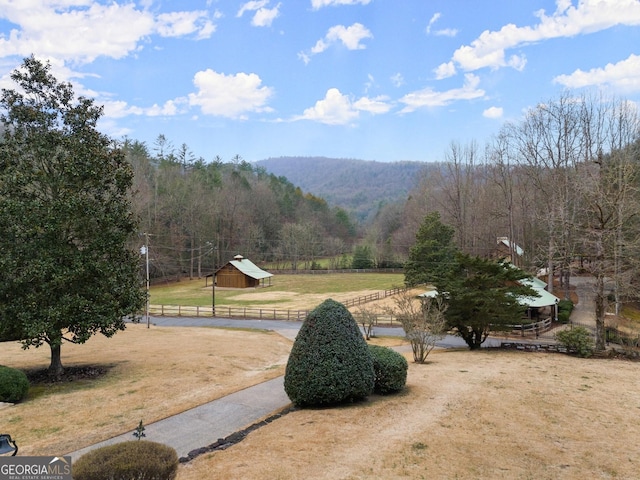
x=535, y=328
x=268, y=313
x=372, y=297
x=228, y=312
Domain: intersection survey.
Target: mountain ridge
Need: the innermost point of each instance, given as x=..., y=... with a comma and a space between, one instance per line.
x=358, y=186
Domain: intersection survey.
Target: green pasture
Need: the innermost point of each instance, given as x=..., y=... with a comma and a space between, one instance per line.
x=194, y=293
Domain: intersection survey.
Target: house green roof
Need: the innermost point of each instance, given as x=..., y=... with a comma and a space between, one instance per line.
x=543, y=300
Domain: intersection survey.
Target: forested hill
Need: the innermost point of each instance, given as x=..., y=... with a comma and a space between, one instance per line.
x=358, y=186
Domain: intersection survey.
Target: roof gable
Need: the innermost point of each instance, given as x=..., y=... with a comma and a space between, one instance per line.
x=250, y=269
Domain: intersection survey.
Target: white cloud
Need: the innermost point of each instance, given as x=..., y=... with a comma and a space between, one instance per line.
x=318, y=4
x=75, y=32
x=83, y=30
x=397, y=79
x=376, y=105
x=263, y=17
x=339, y=109
x=445, y=32
x=179, y=24
x=445, y=70
x=624, y=76
x=119, y=109
x=231, y=96
x=588, y=16
x=170, y=108
x=351, y=37
x=428, y=97
x=434, y=19
x=252, y=6
x=493, y=112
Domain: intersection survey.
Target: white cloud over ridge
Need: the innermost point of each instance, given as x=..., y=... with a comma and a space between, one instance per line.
x=588, y=16
x=624, y=76
x=231, y=96
x=339, y=109
x=428, y=98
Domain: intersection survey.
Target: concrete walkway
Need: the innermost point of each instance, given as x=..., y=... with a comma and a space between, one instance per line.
x=204, y=425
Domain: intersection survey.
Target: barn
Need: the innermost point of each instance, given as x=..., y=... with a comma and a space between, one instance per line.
x=241, y=273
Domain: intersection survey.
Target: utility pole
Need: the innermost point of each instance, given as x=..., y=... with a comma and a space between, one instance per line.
x=145, y=251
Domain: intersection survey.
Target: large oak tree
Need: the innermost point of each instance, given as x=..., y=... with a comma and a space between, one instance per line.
x=65, y=218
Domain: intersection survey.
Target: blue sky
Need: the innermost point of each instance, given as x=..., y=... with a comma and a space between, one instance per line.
x=384, y=80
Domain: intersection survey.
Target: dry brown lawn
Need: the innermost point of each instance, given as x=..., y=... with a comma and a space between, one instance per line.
x=467, y=415
x=154, y=373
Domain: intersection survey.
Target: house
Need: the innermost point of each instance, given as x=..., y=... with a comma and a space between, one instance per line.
x=509, y=251
x=544, y=303
x=241, y=273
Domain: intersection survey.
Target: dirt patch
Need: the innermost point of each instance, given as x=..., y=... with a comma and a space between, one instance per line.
x=41, y=377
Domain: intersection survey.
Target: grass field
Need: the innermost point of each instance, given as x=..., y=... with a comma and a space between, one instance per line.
x=298, y=292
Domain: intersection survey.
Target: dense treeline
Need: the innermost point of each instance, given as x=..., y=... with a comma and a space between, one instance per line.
x=198, y=215
x=563, y=184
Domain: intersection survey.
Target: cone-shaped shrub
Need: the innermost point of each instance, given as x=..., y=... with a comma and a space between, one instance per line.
x=330, y=361
x=390, y=368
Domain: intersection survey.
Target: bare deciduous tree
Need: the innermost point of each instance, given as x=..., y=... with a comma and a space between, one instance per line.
x=423, y=322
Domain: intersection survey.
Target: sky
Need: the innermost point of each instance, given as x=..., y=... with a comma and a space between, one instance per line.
x=384, y=80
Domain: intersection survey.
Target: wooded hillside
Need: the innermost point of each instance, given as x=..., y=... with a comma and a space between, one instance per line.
x=198, y=215
x=361, y=187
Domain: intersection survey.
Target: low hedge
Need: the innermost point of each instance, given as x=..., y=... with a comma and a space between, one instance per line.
x=137, y=459
x=390, y=369
x=14, y=385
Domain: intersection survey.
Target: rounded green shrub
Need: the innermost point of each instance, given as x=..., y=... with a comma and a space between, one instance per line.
x=390, y=369
x=565, y=307
x=14, y=385
x=563, y=316
x=139, y=459
x=576, y=340
x=330, y=361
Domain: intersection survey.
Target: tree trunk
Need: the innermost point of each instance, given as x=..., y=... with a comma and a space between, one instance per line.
x=600, y=307
x=55, y=368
